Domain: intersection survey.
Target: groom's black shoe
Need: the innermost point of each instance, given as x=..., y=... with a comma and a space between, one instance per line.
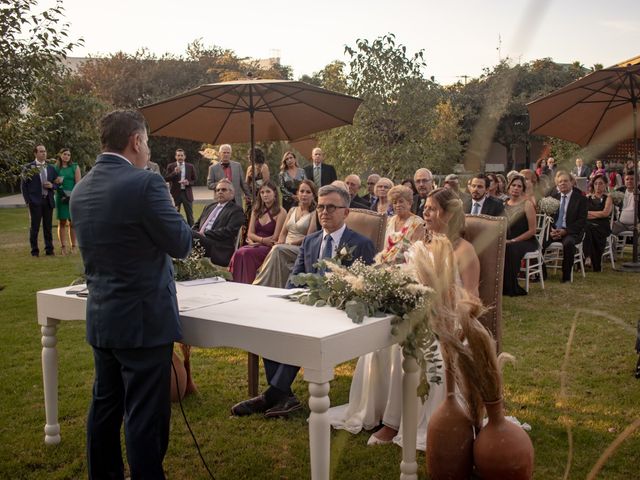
x=257, y=404
x=284, y=407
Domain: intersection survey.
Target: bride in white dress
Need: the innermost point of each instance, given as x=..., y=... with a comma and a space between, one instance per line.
x=376, y=389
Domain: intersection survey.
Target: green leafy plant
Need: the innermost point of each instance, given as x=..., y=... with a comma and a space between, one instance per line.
x=197, y=265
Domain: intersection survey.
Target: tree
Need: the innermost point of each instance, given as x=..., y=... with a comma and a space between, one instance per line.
x=32, y=46
x=396, y=129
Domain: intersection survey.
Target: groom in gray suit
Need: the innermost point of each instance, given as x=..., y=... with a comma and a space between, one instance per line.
x=128, y=230
x=232, y=171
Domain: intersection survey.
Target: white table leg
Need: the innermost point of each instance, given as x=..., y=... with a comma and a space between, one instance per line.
x=409, y=466
x=319, y=430
x=50, y=381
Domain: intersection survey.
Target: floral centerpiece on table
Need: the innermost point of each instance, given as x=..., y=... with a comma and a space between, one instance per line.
x=374, y=291
x=548, y=205
x=617, y=197
x=197, y=265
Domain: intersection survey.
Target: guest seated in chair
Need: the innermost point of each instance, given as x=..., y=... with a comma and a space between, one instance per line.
x=569, y=221
x=598, y=227
x=300, y=221
x=218, y=226
x=403, y=228
x=480, y=201
x=381, y=203
x=265, y=225
x=625, y=221
x=333, y=208
x=521, y=234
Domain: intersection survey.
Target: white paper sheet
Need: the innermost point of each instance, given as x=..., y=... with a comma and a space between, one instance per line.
x=201, y=281
x=191, y=303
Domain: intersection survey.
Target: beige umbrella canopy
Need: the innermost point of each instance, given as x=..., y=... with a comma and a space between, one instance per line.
x=600, y=108
x=225, y=112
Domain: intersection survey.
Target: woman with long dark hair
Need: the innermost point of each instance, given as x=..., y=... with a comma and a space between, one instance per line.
x=68, y=175
x=266, y=222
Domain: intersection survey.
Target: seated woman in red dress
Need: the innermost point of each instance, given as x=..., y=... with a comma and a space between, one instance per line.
x=267, y=218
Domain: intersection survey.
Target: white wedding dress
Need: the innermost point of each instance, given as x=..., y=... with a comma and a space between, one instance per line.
x=376, y=396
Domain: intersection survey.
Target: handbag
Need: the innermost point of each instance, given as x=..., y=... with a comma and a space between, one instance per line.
x=65, y=196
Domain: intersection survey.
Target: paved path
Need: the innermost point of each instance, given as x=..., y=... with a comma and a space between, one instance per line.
x=200, y=195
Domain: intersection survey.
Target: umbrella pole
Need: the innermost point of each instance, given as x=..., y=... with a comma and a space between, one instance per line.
x=253, y=144
x=634, y=265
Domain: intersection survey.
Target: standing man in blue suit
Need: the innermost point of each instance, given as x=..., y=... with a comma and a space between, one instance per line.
x=128, y=230
x=333, y=207
x=37, y=189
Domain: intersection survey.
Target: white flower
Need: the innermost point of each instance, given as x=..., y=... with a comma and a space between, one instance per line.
x=343, y=252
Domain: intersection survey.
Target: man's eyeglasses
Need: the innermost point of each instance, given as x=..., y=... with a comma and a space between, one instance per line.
x=327, y=208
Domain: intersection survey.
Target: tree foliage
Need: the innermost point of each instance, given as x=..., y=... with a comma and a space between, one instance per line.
x=32, y=45
x=396, y=129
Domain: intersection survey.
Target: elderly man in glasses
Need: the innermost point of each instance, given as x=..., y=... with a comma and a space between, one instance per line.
x=423, y=178
x=219, y=225
x=334, y=239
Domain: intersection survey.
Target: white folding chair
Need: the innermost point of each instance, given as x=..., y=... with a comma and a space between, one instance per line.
x=533, y=261
x=553, y=255
x=610, y=249
x=622, y=237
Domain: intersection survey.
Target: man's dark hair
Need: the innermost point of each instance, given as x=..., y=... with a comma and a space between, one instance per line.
x=116, y=127
x=35, y=147
x=179, y=150
x=629, y=173
x=482, y=176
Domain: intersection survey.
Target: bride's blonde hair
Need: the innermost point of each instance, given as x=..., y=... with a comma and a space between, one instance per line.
x=452, y=208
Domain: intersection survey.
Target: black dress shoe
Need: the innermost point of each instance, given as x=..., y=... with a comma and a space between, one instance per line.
x=249, y=407
x=283, y=408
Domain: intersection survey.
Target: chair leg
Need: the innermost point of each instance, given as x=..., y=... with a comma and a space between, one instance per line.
x=527, y=273
x=253, y=370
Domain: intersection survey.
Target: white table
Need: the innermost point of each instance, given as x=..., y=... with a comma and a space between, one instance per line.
x=262, y=322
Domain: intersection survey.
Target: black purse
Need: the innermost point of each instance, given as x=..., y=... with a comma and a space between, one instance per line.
x=64, y=196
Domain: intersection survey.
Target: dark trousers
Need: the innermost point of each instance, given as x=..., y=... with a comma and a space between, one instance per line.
x=134, y=384
x=568, y=252
x=41, y=212
x=181, y=199
x=280, y=376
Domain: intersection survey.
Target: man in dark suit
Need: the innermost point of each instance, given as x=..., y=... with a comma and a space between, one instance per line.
x=370, y=198
x=127, y=232
x=353, y=185
x=232, y=171
x=581, y=170
x=37, y=190
x=423, y=178
x=319, y=172
x=181, y=175
x=333, y=207
x=480, y=202
x=219, y=225
x=569, y=221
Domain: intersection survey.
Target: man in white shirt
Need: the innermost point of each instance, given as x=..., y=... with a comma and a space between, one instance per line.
x=625, y=221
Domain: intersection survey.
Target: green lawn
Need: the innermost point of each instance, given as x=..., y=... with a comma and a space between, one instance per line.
x=599, y=399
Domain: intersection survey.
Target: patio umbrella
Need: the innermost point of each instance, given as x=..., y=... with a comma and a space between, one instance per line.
x=242, y=110
x=599, y=108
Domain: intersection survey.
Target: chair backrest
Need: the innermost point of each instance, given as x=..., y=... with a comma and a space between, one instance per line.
x=543, y=232
x=368, y=223
x=488, y=236
x=540, y=219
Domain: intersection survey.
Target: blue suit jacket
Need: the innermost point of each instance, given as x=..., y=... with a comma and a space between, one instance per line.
x=310, y=251
x=32, y=187
x=127, y=231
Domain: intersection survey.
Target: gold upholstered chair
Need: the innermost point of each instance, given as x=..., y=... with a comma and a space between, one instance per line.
x=371, y=224
x=488, y=236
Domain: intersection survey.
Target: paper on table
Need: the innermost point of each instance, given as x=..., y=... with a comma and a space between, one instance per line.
x=191, y=303
x=201, y=281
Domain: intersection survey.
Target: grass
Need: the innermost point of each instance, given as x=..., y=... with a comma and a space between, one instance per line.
x=599, y=399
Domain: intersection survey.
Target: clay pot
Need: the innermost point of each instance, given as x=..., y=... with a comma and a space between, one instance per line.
x=178, y=390
x=503, y=450
x=450, y=439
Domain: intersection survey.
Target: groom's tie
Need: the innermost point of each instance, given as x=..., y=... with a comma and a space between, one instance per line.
x=327, y=251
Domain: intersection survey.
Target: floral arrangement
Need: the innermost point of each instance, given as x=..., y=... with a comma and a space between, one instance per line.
x=616, y=197
x=377, y=290
x=197, y=265
x=549, y=205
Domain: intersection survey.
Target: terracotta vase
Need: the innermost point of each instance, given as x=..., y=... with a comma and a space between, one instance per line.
x=178, y=389
x=503, y=450
x=450, y=439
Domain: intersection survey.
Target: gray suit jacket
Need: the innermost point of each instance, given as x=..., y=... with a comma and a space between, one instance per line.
x=216, y=173
x=127, y=231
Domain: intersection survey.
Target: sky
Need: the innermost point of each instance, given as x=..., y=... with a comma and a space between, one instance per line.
x=459, y=38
